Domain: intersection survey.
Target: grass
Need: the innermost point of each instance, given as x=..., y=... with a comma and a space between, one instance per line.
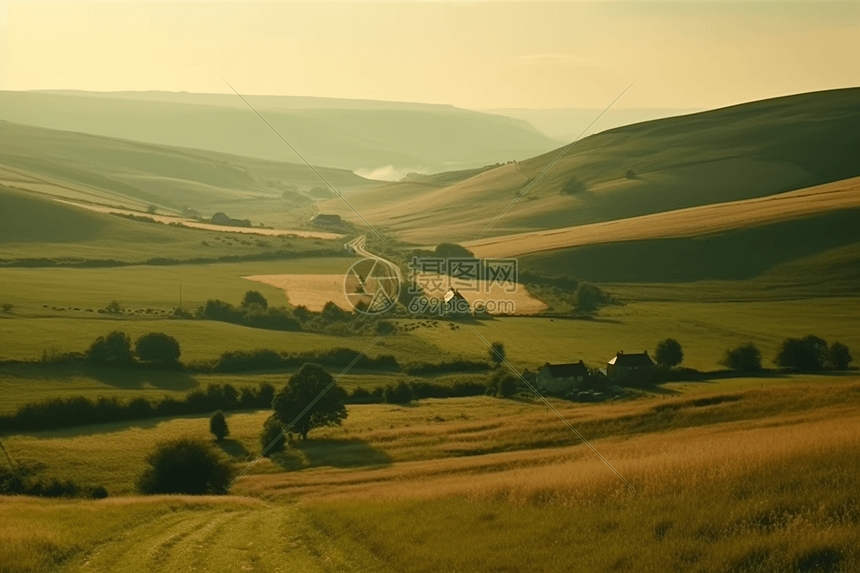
x=758, y=480
x=157, y=287
x=40, y=228
x=705, y=331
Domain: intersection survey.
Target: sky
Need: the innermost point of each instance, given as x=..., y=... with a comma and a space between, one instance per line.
x=476, y=55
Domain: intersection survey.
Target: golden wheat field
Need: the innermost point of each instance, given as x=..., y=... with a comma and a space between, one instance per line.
x=754, y=480
x=682, y=222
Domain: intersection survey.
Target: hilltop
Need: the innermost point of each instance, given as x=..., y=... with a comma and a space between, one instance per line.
x=746, y=151
x=357, y=135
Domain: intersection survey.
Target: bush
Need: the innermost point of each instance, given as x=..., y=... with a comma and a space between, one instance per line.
x=574, y=187
x=838, y=356
x=808, y=353
x=218, y=425
x=589, y=297
x=158, y=347
x=399, y=394
x=506, y=384
x=669, y=353
x=497, y=353
x=254, y=297
x=185, y=466
x=111, y=350
x=745, y=358
x=272, y=437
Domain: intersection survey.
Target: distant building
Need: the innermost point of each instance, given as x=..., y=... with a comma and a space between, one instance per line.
x=328, y=221
x=627, y=365
x=558, y=378
x=222, y=219
x=455, y=304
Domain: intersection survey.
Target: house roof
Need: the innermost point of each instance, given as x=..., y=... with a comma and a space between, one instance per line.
x=632, y=360
x=566, y=370
x=452, y=294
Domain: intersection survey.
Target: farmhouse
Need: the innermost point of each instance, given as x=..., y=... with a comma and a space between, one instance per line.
x=627, y=365
x=328, y=221
x=558, y=378
x=455, y=304
x=220, y=218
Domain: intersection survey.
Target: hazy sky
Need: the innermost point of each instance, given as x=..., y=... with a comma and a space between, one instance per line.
x=470, y=54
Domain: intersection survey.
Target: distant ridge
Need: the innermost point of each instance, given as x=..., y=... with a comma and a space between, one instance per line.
x=358, y=135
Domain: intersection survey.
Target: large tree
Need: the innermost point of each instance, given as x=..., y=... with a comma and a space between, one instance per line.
x=157, y=347
x=312, y=381
x=111, y=350
x=669, y=353
x=745, y=358
x=808, y=353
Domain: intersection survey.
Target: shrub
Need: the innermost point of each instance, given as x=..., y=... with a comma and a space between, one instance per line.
x=272, y=437
x=589, y=297
x=185, y=466
x=745, y=358
x=669, y=353
x=254, y=297
x=158, y=347
x=838, y=356
x=574, y=187
x=111, y=350
x=506, y=385
x=399, y=394
x=808, y=353
x=218, y=425
x=497, y=353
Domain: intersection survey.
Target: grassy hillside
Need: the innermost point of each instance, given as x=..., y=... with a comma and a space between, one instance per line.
x=335, y=133
x=756, y=480
x=751, y=150
x=135, y=174
x=36, y=227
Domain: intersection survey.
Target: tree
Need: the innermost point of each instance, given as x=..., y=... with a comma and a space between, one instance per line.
x=808, y=353
x=745, y=358
x=589, y=297
x=157, y=347
x=218, y=426
x=497, y=353
x=186, y=466
x=312, y=381
x=669, y=353
x=838, y=356
x=400, y=394
x=111, y=350
x=574, y=187
x=504, y=383
x=252, y=297
x=272, y=437
x=113, y=307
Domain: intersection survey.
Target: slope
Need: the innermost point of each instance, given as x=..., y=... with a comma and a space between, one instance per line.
x=751, y=150
x=131, y=173
x=338, y=133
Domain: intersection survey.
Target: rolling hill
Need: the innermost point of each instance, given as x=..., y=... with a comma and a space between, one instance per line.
x=115, y=171
x=349, y=134
x=752, y=150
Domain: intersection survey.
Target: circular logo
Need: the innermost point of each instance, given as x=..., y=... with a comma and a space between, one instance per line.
x=371, y=286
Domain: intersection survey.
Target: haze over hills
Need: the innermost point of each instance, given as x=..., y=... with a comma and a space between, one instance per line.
x=566, y=124
x=377, y=139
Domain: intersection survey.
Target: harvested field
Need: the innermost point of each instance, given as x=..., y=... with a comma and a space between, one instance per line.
x=834, y=196
x=312, y=291
x=496, y=299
